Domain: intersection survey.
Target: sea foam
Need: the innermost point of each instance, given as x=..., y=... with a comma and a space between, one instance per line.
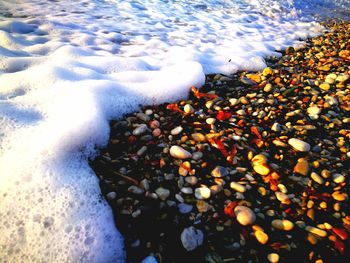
x=68, y=67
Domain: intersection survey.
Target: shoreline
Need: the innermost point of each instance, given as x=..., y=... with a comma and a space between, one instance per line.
x=294, y=193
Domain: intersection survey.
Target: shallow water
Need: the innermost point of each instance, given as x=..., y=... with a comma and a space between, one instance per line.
x=68, y=67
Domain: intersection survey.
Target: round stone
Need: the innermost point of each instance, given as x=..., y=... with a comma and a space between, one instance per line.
x=191, y=238
x=244, y=215
x=202, y=192
x=299, y=145
x=273, y=257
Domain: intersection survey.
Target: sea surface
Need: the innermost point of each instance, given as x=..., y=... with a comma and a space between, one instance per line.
x=68, y=67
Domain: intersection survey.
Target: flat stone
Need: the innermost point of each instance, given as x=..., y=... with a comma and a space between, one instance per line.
x=299, y=145
x=244, y=215
x=191, y=238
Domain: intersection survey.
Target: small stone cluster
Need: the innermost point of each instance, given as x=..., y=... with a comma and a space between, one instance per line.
x=252, y=167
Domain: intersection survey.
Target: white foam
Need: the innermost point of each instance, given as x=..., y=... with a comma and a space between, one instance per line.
x=68, y=67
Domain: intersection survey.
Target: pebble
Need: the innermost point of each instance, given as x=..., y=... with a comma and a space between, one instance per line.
x=111, y=195
x=142, y=116
x=135, y=190
x=302, y=167
x=237, y=187
x=191, y=238
x=177, y=130
x=192, y=180
x=141, y=129
x=219, y=172
x=338, y=178
x=273, y=257
x=260, y=166
x=318, y=179
x=267, y=71
x=268, y=87
x=156, y=132
x=283, y=224
x=198, y=137
x=299, y=145
x=313, y=112
x=188, y=109
x=210, y=121
x=233, y=101
x=162, y=193
x=197, y=156
x=202, y=206
x=338, y=196
x=184, y=208
x=325, y=86
x=202, y=192
x=282, y=197
x=261, y=237
x=187, y=190
x=244, y=215
x=179, y=152
x=276, y=127
x=316, y=231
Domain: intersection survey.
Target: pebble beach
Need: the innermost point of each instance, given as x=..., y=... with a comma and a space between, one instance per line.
x=252, y=167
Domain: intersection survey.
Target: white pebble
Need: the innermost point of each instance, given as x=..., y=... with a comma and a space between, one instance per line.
x=179, y=152
x=299, y=145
